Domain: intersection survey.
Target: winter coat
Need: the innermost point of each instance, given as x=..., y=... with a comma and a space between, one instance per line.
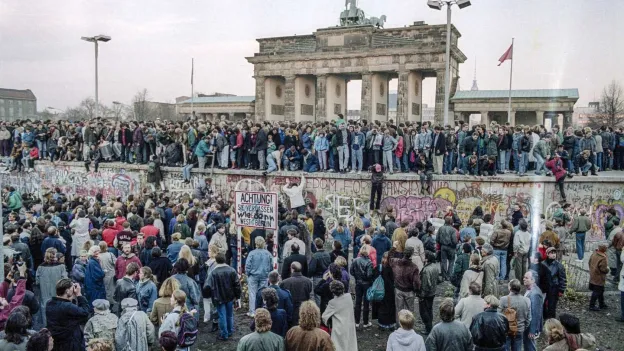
x=501, y=239
x=339, y=313
x=319, y=264
x=362, y=270
x=468, y=146
x=46, y=278
x=190, y=287
x=155, y=177
x=491, y=142
x=581, y=224
x=160, y=308
x=541, y=148
x=582, y=341
x=446, y=236
x=429, y=280
x=552, y=276
x=123, y=261
x=522, y=305
x=146, y=294
x=439, y=147
x=267, y=341
x=81, y=235
x=467, y=308
x=588, y=144
x=449, y=336
x=471, y=275
x=491, y=270
x=134, y=330
x=298, y=339
x=300, y=288
x=419, y=251
x=222, y=285
x=489, y=330
x=64, y=319
x=598, y=268
x=94, y=281
x=406, y=276
x=462, y=263
x=555, y=165
x=101, y=325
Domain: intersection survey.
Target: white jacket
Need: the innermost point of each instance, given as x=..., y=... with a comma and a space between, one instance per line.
x=295, y=194
x=621, y=285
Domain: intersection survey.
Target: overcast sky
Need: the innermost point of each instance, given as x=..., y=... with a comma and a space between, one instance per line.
x=559, y=43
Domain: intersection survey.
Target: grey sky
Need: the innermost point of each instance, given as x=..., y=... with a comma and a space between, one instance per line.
x=559, y=43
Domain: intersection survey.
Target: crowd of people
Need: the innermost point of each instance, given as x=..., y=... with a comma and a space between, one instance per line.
x=145, y=271
x=333, y=146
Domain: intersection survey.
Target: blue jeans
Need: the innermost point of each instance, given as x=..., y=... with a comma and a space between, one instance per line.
x=357, y=155
x=507, y=158
x=529, y=344
x=502, y=259
x=622, y=304
x=331, y=158
x=272, y=165
x=522, y=162
x=516, y=159
x=448, y=162
x=234, y=252
x=514, y=344
x=226, y=319
x=580, y=245
x=539, y=163
x=253, y=284
x=186, y=172
x=599, y=161
x=406, y=161
x=501, y=160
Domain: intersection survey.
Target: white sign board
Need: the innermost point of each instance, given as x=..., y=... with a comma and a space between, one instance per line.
x=256, y=209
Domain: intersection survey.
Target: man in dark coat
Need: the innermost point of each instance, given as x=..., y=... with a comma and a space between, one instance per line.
x=284, y=298
x=295, y=256
x=64, y=317
x=299, y=286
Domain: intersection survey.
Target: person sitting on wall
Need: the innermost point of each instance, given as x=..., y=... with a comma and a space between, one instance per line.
x=310, y=162
x=487, y=166
x=292, y=159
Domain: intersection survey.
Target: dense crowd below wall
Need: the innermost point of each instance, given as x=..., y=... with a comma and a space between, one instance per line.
x=147, y=269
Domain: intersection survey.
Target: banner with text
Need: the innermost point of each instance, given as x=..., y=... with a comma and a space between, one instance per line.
x=256, y=209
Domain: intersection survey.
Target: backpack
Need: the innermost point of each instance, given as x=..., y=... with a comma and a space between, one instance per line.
x=151, y=167
x=187, y=335
x=377, y=291
x=510, y=313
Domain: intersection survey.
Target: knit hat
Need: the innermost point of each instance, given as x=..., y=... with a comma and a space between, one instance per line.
x=548, y=250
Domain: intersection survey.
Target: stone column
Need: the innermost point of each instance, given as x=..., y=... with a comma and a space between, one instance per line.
x=567, y=119
x=485, y=118
x=321, y=98
x=539, y=117
x=512, y=118
x=439, y=99
x=366, y=111
x=402, y=98
x=289, y=98
x=260, y=106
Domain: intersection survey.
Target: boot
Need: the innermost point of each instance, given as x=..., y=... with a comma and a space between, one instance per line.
x=215, y=327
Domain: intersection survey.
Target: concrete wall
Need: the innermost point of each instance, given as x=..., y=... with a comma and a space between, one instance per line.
x=340, y=196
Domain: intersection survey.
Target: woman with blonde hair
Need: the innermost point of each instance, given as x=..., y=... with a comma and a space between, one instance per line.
x=555, y=335
x=171, y=320
x=362, y=271
x=186, y=253
x=48, y=274
x=474, y=274
x=162, y=305
x=173, y=250
x=307, y=336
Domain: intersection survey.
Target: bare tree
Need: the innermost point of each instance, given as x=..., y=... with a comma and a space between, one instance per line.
x=141, y=105
x=611, y=109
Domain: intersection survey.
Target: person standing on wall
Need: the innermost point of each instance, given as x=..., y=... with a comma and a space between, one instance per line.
x=377, y=179
x=438, y=145
x=295, y=195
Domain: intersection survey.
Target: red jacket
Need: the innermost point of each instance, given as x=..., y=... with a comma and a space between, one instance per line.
x=239, y=141
x=109, y=235
x=556, y=167
x=17, y=299
x=398, y=152
x=150, y=230
x=123, y=262
x=34, y=153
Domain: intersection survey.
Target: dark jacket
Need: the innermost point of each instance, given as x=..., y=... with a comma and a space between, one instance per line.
x=468, y=146
x=439, y=147
x=489, y=330
x=319, y=263
x=552, y=276
x=300, y=289
x=462, y=263
x=406, y=277
x=161, y=268
x=319, y=227
x=279, y=322
x=222, y=285
x=525, y=144
x=261, y=140
x=296, y=257
x=94, y=281
x=125, y=288
x=429, y=280
x=284, y=300
x=447, y=236
x=362, y=270
x=64, y=321
x=52, y=241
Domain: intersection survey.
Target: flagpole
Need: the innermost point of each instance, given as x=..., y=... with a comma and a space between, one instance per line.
x=192, y=86
x=510, y=80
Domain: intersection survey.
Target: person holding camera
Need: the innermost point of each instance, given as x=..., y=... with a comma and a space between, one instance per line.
x=65, y=316
x=17, y=279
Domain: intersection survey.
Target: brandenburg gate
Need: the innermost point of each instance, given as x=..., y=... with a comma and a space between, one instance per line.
x=304, y=77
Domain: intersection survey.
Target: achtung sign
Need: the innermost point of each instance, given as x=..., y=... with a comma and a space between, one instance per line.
x=256, y=209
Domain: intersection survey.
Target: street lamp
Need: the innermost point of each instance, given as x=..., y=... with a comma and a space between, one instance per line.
x=95, y=39
x=437, y=5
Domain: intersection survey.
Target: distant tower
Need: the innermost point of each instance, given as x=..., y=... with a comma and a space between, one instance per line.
x=474, y=80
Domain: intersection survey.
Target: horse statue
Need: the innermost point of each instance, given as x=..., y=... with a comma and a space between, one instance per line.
x=352, y=15
x=377, y=22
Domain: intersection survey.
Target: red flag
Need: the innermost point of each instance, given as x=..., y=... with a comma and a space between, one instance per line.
x=508, y=55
